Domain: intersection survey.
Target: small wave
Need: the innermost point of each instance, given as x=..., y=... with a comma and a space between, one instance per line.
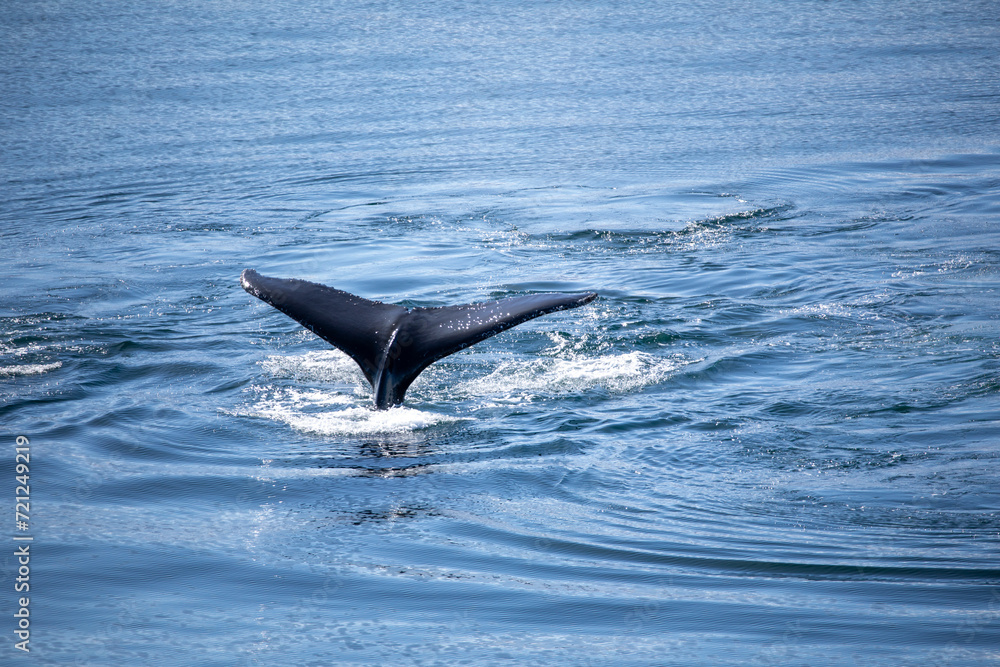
x=29, y=369
x=21, y=351
x=861, y=307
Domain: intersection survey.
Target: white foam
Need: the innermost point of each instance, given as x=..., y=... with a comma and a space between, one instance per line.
x=331, y=412
x=324, y=366
x=526, y=379
x=31, y=348
x=299, y=410
x=337, y=412
x=29, y=369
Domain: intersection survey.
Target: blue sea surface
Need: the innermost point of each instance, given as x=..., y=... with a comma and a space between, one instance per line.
x=773, y=440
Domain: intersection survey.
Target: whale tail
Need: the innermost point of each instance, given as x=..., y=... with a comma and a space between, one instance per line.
x=393, y=344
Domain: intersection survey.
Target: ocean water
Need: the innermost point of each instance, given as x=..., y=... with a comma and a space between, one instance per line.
x=774, y=439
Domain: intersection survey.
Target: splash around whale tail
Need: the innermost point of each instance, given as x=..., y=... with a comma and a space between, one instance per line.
x=393, y=344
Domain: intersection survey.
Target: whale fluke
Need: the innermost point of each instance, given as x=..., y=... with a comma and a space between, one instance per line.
x=393, y=344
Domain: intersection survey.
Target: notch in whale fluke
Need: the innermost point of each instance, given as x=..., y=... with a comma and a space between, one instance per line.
x=393, y=344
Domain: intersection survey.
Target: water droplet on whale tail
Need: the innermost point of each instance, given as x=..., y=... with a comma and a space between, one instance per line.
x=393, y=344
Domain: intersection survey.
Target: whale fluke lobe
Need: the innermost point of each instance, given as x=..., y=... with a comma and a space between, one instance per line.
x=393, y=344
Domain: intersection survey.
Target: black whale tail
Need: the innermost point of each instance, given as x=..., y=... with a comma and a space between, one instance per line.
x=393, y=344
